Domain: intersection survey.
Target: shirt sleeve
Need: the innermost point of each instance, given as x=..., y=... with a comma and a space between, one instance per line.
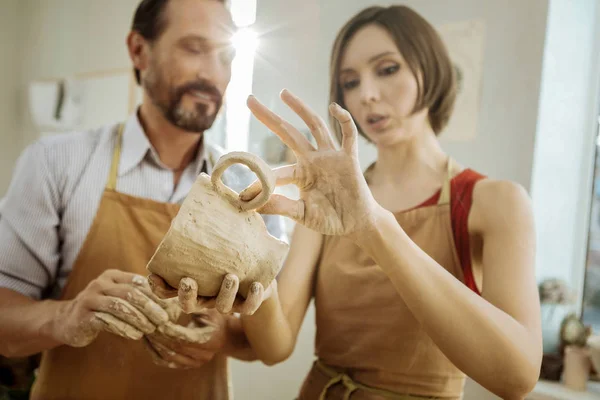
x=29, y=223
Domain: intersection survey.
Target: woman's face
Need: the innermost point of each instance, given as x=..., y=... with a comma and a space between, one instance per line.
x=378, y=87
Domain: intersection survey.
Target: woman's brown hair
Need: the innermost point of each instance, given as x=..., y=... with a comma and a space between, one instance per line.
x=422, y=49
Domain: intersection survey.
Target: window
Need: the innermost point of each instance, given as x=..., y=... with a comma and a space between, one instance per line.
x=237, y=115
x=591, y=292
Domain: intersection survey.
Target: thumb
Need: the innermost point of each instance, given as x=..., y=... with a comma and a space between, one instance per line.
x=284, y=206
x=283, y=176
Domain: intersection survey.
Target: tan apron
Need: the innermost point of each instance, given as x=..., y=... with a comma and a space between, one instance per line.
x=124, y=235
x=369, y=345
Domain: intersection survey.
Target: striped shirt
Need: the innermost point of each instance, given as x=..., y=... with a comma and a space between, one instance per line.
x=56, y=190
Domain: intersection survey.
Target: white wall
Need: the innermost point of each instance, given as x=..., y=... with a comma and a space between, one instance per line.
x=9, y=97
x=66, y=37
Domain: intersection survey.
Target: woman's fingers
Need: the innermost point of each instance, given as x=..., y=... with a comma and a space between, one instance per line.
x=160, y=288
x=349, y=130
x=313, y=121
x=227, y=294
x=284, y=206
x=278, y=204
x=286, y=132
x=188, y=295
x=253, y=300
x=283, y=176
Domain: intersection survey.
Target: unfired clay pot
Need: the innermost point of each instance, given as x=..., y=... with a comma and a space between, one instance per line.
x=215, y=234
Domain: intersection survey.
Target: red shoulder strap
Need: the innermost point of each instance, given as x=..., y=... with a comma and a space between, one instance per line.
x=460, y=202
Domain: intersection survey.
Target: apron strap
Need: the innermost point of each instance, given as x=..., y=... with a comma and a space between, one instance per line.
x=445, y=194
x=114, y=166
x=211, y=158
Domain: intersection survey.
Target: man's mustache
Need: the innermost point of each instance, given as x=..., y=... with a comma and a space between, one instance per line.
x=201, y=86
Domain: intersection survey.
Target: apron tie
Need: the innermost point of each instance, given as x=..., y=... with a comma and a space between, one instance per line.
x=352, y=386
x=345, y=380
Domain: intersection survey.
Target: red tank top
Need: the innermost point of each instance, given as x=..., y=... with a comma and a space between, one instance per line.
x=461, y=198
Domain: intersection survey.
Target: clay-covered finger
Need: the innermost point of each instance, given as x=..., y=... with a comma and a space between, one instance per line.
x=134, y=296
x=160, y=287
x=118, y=276
x=283, y=176
x=188, y=294
x=140, y=281
x=170, y=305
x=313, y=121
x=200, y=320
x=348, y=127
x=195, y=351
x=156, y=358
x=125, y=312
x=173, y=309
x=204, y=303
x=227, y=294
x=253, y=300
x=185, y=334
x=111, y=324
x=152, y=296
x=284, y=206
x=286, y=132
x=173, y=359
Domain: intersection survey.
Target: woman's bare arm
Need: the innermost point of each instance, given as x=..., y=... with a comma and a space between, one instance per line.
x=272, y=331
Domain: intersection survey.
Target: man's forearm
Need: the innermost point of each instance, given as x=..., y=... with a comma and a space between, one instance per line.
x=26, y=324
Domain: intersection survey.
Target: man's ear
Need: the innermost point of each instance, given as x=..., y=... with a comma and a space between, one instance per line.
x=138, y=48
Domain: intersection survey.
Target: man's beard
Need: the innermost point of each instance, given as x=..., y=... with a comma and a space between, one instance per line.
x=170, y=102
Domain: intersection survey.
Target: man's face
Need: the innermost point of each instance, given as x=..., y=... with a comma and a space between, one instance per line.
x=189, y=64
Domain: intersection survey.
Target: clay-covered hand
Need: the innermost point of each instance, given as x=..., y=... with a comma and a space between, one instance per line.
x=117, y=302
x=334, y=196
x=227, y=300
x=192, y=346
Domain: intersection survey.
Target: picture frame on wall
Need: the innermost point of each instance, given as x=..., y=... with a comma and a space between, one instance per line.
x=83, y=101
x=465, y=41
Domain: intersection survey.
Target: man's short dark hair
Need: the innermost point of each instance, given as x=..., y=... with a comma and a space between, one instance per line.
x=149, y=21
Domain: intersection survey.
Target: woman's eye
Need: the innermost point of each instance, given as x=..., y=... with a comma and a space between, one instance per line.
x=350, y=84
x=389, y=70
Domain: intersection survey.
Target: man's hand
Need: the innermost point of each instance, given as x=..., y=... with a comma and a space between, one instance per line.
x=175, y=346
x=117, y=302
x=227, y=300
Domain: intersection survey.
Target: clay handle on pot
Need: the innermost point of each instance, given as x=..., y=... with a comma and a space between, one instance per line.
x=257, y=165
